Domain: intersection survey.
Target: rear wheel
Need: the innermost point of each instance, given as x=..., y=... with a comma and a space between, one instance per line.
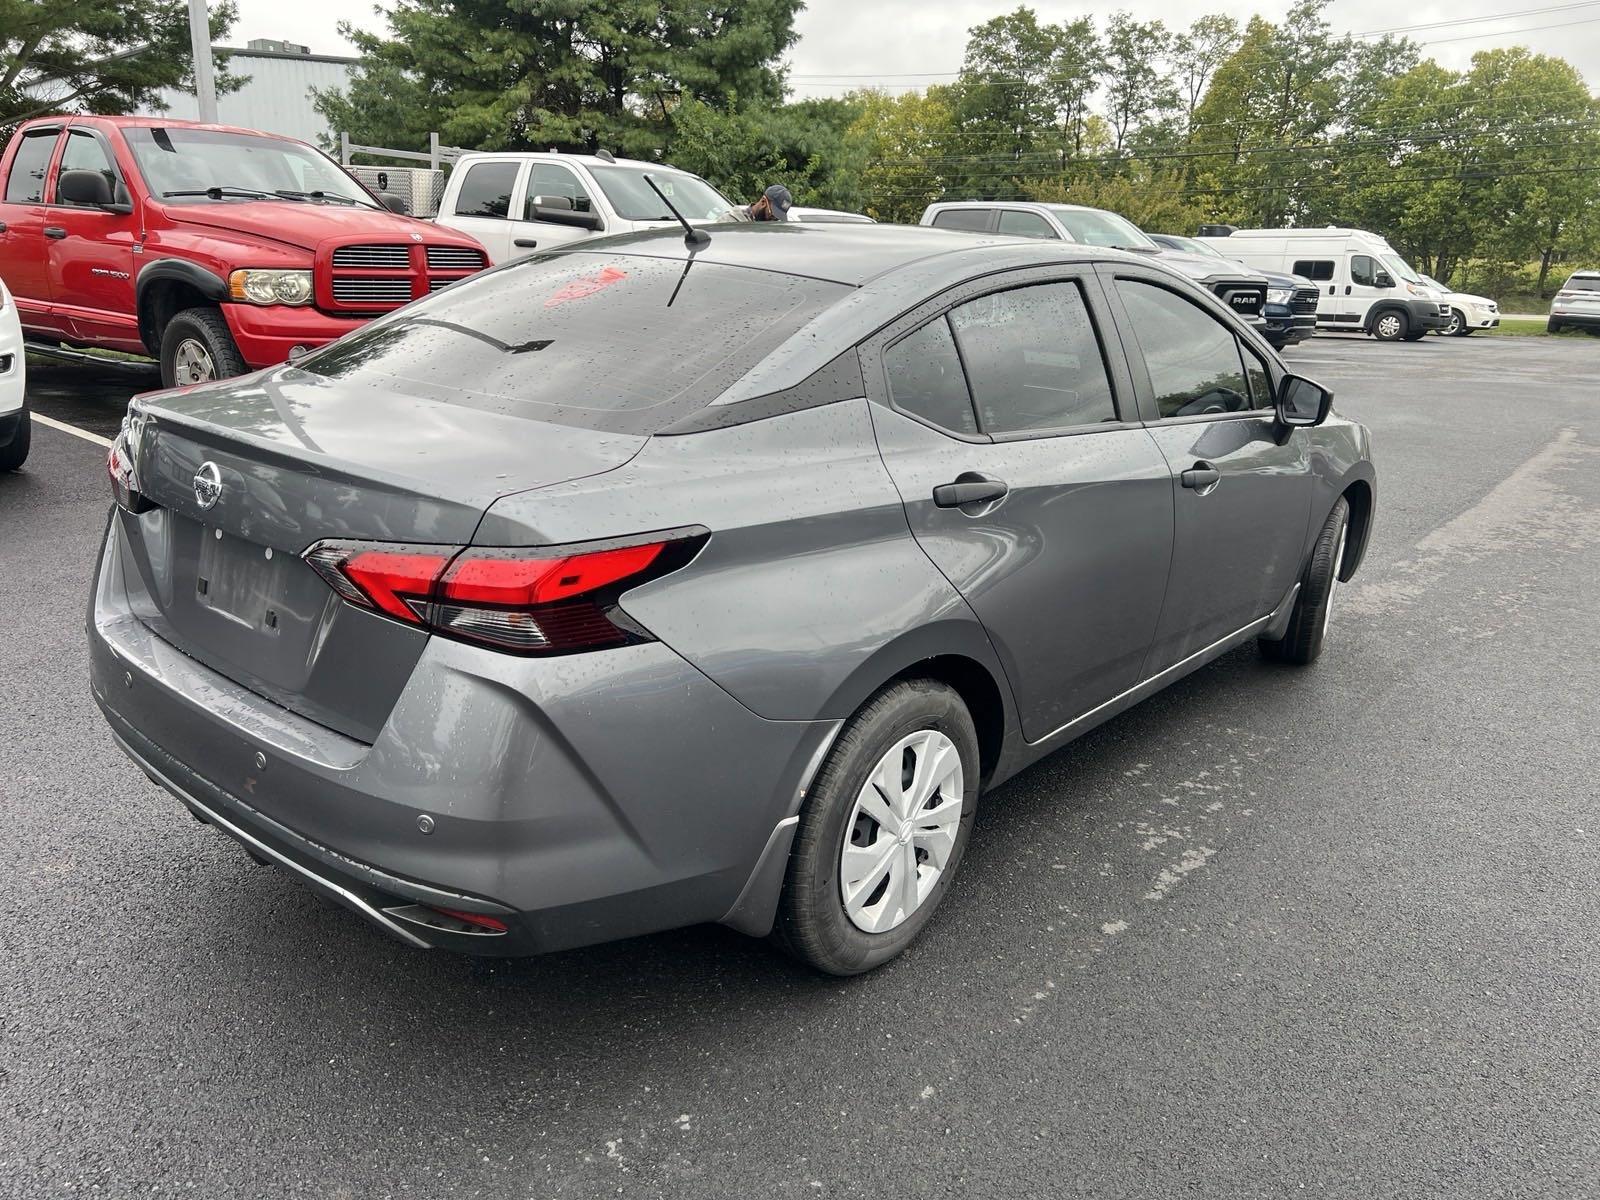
x=1552, y=326
x=1302, y=641
x=883, y=831
x=14, y=453
x=1390, y=326
x=197, y=346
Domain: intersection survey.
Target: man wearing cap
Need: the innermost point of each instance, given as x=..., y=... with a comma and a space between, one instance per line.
x=773, y=206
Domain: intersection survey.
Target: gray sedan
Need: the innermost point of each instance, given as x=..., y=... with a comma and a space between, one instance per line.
x=650, y=583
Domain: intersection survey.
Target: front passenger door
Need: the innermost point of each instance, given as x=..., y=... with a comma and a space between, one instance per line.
x=1240, y=485
x=1060, y=541
x=548, y=181
x=91, y=250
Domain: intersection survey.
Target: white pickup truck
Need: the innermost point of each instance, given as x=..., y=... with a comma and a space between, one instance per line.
x=518, y=203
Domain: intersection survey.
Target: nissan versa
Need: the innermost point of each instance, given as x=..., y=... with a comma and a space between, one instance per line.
x=667, y=580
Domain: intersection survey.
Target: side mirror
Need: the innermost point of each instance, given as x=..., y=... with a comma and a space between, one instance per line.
x=1383, y=279
x=558, y=210
x=1302, y=402
x=395, y=204
x=88, y=189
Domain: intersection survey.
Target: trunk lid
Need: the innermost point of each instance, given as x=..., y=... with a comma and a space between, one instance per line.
x=294, y=459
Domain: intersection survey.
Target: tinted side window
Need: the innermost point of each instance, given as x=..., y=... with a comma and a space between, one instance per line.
x=1193, y=358
x=549, y=179
x=1314, y=268
x=26, y=183
x=85, y=153
x=1025, y=224
x=1363, y=270
x=963, y=218
x=486, y=190
x=1034, y=360
x=925, y=378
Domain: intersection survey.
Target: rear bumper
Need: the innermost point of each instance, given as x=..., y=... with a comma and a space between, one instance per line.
x=1577, y=320
x=577, y=800
x=266, y=334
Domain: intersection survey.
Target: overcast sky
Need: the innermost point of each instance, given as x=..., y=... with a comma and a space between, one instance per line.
x=900, y=43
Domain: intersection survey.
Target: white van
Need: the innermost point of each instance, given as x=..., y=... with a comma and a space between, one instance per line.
x=1365, y=285
x=518, y=203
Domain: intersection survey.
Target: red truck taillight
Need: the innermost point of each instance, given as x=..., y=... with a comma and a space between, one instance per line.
x=548, y=600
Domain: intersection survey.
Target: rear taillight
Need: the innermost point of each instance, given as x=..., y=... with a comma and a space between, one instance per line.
x=549, y=600
x=119, y=466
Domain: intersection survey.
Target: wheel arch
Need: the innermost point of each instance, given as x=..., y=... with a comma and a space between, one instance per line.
x=168, y=286
x=1358, y=491
x=1384, y=306
x=956, y=653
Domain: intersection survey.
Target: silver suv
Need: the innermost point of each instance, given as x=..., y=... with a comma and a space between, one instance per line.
x=1243, y=290
x=1577, y=304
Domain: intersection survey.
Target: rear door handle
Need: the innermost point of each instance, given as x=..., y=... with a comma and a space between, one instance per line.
x=1202, y=477
x=54, y=231
x=968, y=491
x=526, y=243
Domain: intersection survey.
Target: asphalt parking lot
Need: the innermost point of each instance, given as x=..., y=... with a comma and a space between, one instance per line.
x=1274, y=932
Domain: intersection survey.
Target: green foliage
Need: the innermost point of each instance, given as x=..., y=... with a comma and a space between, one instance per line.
x=801, y=146
x=574, y=74
x=1152, y=200
x=900, y=142
x=96, y=56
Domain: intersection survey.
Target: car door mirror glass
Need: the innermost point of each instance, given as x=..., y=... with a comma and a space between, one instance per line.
x=558, y=210
x=1383, y=279
x=1302, y=401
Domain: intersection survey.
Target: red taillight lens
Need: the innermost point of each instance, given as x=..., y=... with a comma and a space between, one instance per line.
x=481, y=920
x=124, y=486
x=544, y=601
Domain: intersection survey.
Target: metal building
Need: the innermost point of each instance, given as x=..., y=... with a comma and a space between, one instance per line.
x=277, y=96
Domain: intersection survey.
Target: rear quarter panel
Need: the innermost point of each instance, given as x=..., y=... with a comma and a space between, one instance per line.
x=810, y=593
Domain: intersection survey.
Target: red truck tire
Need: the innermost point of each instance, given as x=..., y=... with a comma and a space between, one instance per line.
x=196, y=346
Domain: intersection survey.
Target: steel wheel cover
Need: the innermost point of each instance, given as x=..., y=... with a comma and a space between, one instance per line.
x=192, y=363
x=1389, y=325
x=901, y=831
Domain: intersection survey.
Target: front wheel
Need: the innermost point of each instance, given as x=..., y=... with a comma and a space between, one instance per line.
x=1457, y=325
x=883, y=830
x=1302, y=641
x=1390, y=326
x=197, y=347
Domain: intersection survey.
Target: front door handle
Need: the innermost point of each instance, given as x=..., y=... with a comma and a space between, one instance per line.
x=526, y=243
x=969, y=489
x=1202, y=477
x=54, y=231
x=4, y=227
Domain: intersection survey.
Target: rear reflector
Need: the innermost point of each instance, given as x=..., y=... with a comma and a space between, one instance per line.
x=555, y=600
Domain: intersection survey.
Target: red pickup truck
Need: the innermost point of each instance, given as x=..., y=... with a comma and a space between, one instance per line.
x=214, y=250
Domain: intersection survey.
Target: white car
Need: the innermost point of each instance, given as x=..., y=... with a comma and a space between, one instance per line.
x=828, y=216
x=1467, y=312
x=516, y=203
x=15, y=427
x=1577, y=304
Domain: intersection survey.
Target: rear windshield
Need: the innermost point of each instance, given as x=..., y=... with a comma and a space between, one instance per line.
x=1583, y=283
x=602, y=341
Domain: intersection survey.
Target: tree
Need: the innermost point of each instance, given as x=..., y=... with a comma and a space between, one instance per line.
x=901, y=142
x=1075, y=70
x=575, y=74
x=803, y=146
x=1138, y=90
x=1196, y=55
x=1005, y=101
x=96, y=56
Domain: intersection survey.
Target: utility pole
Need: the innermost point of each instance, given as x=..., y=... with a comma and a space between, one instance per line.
x=205, y=87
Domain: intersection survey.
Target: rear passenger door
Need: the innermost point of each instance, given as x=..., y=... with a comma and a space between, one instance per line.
x=22, y=240
x=1240, y=486
x=1014, y=442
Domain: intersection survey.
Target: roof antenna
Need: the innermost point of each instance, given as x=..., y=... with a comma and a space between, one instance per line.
x=692, y=237
x=605, y=155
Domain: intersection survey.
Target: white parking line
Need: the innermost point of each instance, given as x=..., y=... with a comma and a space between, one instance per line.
x=41, y=419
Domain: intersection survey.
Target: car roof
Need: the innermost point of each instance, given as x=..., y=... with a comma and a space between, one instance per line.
x=588, y=160
x=851, y=254
x=86, y=119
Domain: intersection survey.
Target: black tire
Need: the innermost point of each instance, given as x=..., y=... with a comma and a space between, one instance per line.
x=206, y=327
x=1458, y=326
x=14, y=453
x=1301, y=642
x=812, y=924
x=1552, y=326
x=1390, y=325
